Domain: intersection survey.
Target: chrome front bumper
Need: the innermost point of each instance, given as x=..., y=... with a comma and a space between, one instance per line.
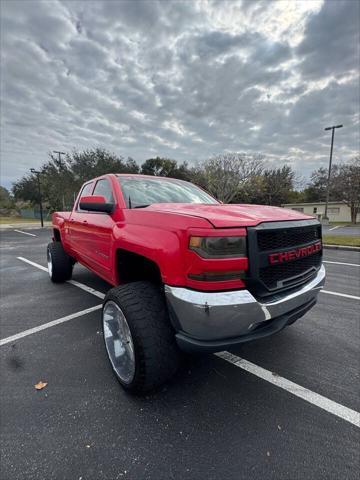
x=216, y=319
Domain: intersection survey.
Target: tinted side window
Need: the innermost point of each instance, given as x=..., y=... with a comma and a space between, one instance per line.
x=103, y=188
x=86, y=190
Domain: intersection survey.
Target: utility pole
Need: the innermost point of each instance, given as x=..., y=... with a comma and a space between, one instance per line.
x=326, y=218
x=61, y=153
x=37, y=173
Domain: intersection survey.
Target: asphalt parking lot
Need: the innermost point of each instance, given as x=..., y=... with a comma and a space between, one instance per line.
x=344, y=230
x=289, y=412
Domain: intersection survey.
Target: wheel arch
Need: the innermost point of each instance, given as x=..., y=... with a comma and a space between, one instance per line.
x=56, y=235
x=133, y=267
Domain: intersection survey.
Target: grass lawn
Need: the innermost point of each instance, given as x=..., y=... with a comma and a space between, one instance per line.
x=343, y=224
x=12, y=220
x=341, y=240
x=339, y=224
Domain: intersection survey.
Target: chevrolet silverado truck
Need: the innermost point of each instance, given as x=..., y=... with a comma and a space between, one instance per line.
x=188, y=272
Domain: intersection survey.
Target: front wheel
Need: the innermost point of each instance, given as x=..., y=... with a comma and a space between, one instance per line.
x=139, y=338
x=60, y=264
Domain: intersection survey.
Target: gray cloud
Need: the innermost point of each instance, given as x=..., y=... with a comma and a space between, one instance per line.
x=331, y=43
x=179, y=79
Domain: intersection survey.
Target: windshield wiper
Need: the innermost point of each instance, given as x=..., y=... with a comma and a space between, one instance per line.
x=136, y=206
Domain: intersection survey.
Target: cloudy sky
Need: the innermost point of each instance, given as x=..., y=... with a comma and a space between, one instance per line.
x=182, y=79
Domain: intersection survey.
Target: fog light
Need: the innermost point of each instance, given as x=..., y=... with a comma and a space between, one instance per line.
x=217, y=276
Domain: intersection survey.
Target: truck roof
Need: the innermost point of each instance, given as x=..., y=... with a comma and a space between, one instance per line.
x=140, y=175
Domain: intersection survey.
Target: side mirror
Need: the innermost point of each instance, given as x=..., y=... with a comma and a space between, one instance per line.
x=96, y=203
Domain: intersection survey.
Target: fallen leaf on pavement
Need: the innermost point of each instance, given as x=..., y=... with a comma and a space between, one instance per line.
x=40, y=385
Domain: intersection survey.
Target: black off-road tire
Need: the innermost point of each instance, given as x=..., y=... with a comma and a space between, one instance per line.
x=61, y=267
x=157, y=356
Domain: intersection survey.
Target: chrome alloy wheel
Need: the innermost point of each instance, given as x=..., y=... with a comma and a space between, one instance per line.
x=119, y=342
x=49, y=262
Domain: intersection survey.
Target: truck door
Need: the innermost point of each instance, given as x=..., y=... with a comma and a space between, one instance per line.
x=98, y=227
x=75, y=226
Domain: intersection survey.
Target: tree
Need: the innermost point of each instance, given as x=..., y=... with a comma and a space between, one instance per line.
x=251, y=191
x=6, y=200
x=58, y=183
x=226, y=174
x=317, y=187
x=26, y=189
x=277, y=184
x=130, y=166
x=296, y=196
x=344, y=185
x=165, y=167
x=182, y=172
x=61, y=179
x=348, y=186
x=198, y=177
x=160, y=167
x=93, y=163
x=271, y=187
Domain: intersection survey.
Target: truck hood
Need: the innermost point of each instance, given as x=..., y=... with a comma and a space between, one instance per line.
x=230, y=215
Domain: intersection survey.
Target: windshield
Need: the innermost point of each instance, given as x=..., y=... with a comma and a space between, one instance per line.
x=145, y=191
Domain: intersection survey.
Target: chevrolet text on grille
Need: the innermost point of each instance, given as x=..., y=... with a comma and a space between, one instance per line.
x=291, y=255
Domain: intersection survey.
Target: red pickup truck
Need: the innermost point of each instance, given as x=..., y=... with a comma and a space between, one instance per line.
x=188, y=272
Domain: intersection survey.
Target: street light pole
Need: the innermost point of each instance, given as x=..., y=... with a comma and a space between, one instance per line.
x=330, y=163
x=37, y=173
x=61, y=153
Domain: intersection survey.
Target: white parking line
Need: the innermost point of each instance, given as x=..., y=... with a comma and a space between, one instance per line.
x=25, y=233
x=25, y=333
x=324, y=403
x=347, y=414
x=343, y=263
x=353, y=297
x=73, y=282
x=87, y=289
x=40, y=267
x=334, y=228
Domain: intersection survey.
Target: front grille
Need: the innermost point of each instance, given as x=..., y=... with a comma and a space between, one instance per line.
x=287, y=274
x=270, y=238
x=287, y=238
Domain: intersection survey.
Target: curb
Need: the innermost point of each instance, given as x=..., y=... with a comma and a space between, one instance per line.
x=342, y=247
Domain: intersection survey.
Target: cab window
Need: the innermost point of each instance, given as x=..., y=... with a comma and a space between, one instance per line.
x=86, y=190
x=103, y=188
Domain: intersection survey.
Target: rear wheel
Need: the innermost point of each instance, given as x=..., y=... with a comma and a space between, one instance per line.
x=60, y=264
x=139, y=338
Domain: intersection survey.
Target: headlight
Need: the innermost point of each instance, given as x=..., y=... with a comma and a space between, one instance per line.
x=218, y=247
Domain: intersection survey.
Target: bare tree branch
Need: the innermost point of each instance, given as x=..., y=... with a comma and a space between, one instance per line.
x=348, y=183
x=227, y=173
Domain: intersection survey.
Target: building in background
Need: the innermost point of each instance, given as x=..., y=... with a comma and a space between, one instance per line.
x=337, y=211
